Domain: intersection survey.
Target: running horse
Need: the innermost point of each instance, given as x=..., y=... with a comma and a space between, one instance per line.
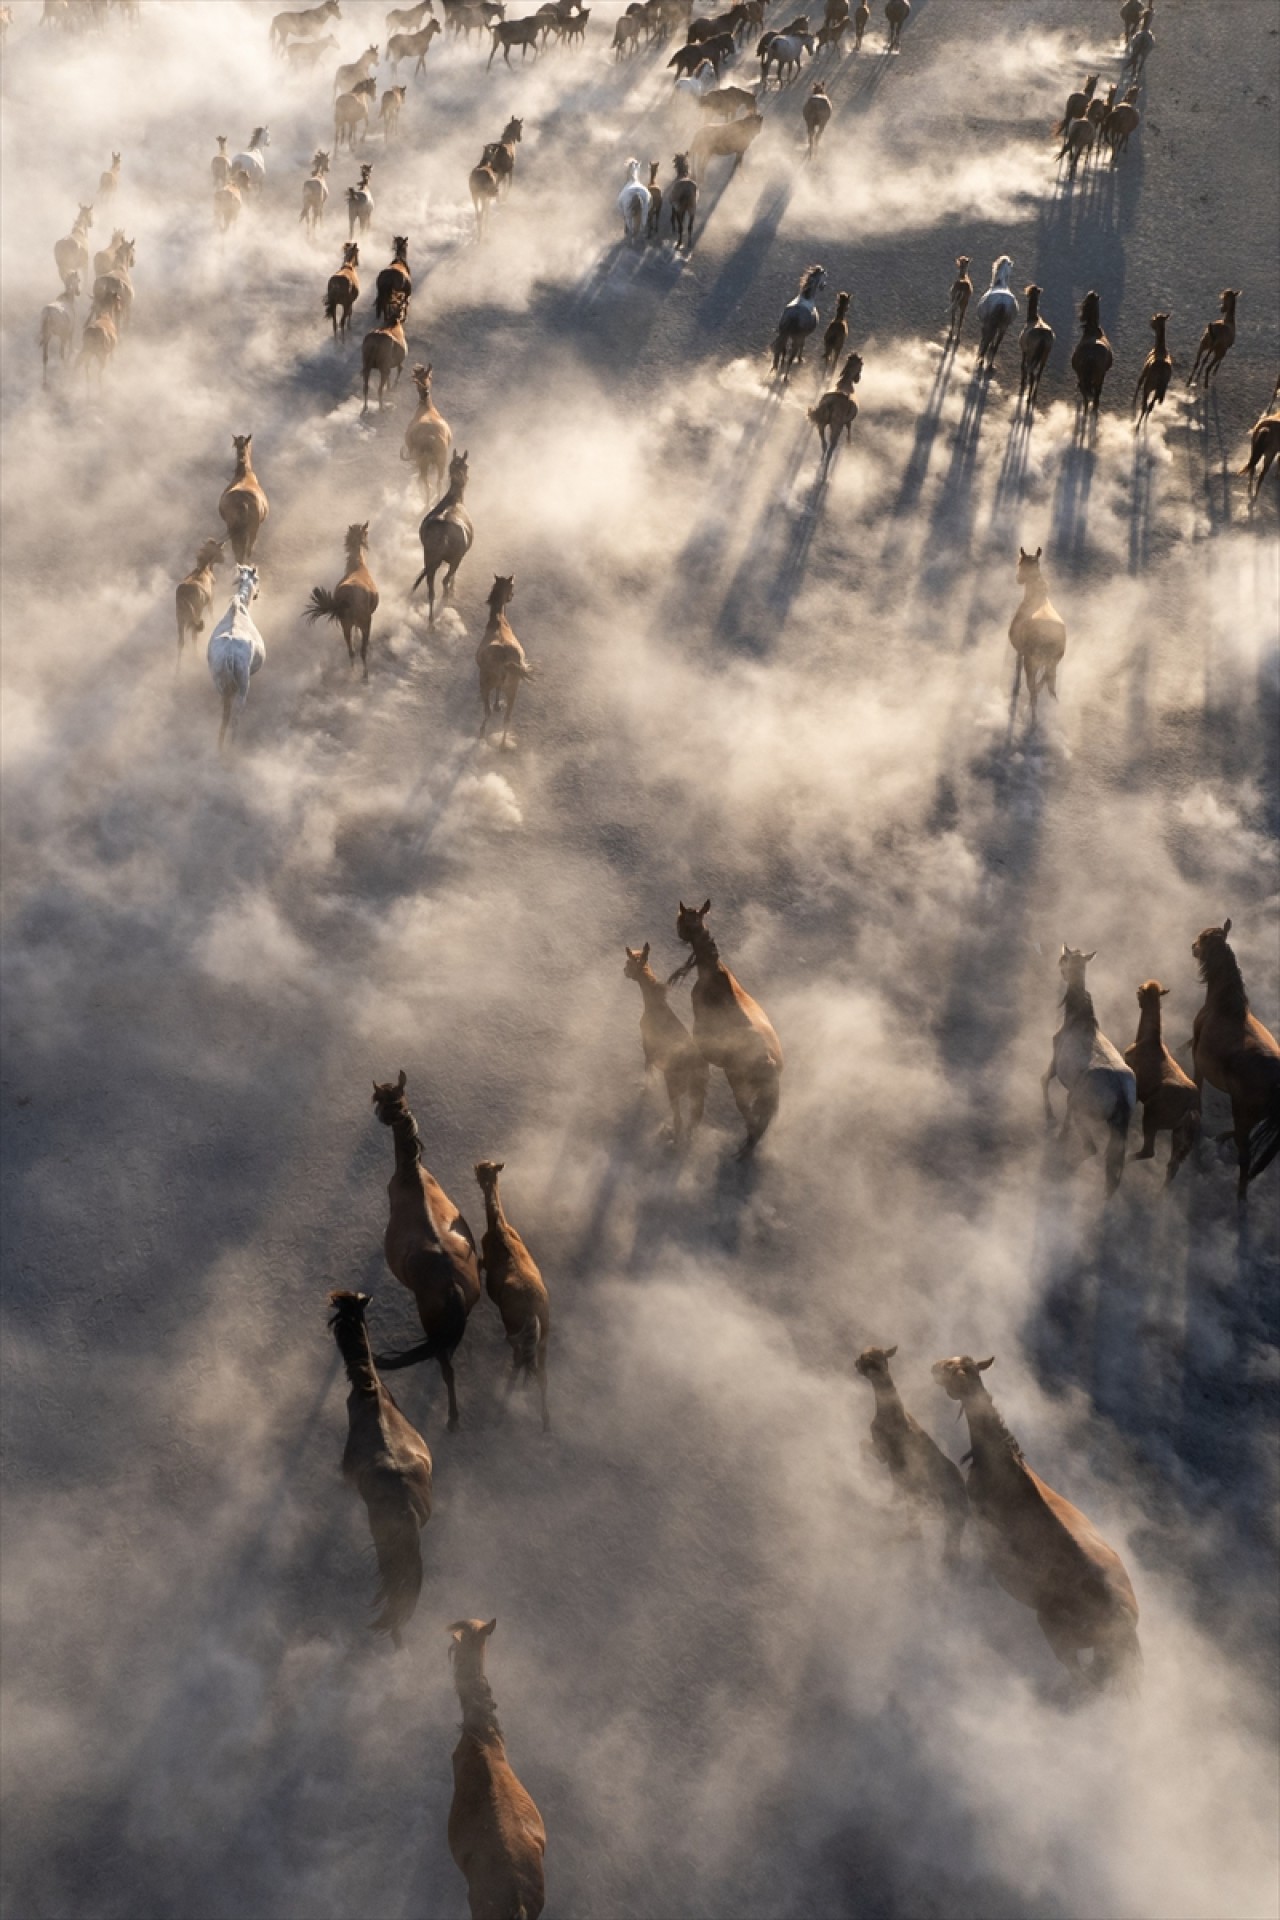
x=799, y=319
x=732, y=1031
x=446, y=535
x=997, y=310
x=1234, y=1052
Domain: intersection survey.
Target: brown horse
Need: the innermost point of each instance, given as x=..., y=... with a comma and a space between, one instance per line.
x=516, y=1288
x=389, y=1463
x=354, y=600
x=732, y=1032
x=483, y=185
x=195, y=593
x=1170, y=1102
x=429, y=1246
x=1217, y=339
x=394, y=281
x=503, y=151
x=101, y=334
x=1041, y=1549
x=668, y=1044
x=1037, y=345
x=496, y=1835
x=1157, y=371
x=500, y=657
x=1264, y=445
x=1234, y=1052
x=815, y=113
x=446, y=535
x=682, y=199
x=836, y=336
x=958, y=298
x=1093, y=359
x=343, y=290
x=922, y=1473
x=837, y=410
x=384, y=350
x=243, y=506
x=427, y=438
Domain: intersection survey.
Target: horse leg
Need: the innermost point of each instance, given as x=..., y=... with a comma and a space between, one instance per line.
x=1045, y=1078
x=446, y=1374
x=1185, y=1135
x=431, y=595
x=365, y=633
x=1241, y=1132
x=512, y=691
x=1147, y=1151
x=227, y=696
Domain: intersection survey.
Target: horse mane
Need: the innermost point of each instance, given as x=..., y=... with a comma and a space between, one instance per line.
x=480, y=1709
x=1077, y=1002
x=1091, y=313
x=1220, y=971
x=1003, y=1437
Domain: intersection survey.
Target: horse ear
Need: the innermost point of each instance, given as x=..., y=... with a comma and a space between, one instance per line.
x=704, y=908
x=487, y=1629
x=402, y=1082
x=375, y=1087
x=890, y=1351
x=683, y=908
x=644, y=951
x=1163, y=992
x=1226, y=926
x=1087, y=957
x=1039, y=551
x=982, y=1365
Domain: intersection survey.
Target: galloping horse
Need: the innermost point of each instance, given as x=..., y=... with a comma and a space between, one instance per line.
x=633, y=205
x=253, y=162
x=1157, y=371
x=236, y=651
x=243, y=504
x=732, y=1031
x=1101, y=1089
x=446, y=535
x=194, y=594
x=496, y=1835
x=799, y=319
x=500, y=657
x=354, y=600
x=1036, y=344
x=1093, y=359
x=1037, y=632
x=1234, y=1052
x=997, y=310
x=668, y=1044
x=1216, y=340
x=428, y=440
x=394, y=279
x=682, y=198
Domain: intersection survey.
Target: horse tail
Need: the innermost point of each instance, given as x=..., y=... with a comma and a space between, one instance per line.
x=524, y=1348
x=418, y=582
x=1264, y=1141
x=322, y=606
x=1117, y=1661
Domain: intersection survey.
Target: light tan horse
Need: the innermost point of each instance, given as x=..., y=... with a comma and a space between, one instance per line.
x=390, y=108
x=351, y=114
x=71, y=254
x=921, y=1472
x=1234, y=1052
x=1037, y=632
x=315, y=190
x=731, y=1030
x=516, y=1287
x=959, y=296
x=500, y=658
x=243, y=506
x=384, y=350
x=496, y=1835
x=668, y=1044
x=429, y=1246
x=220, y=165
x=483, y=186
x=837, y=410
x=1102, y=1090
x=227, y=202
x=104, y=260
x=58, y=325
x=428, y=440
x=446, y=535
x=389, y=1463
x=194, y=594
x=343, y=290
x=110, y=179
x=1170, y=1101
x=118, y=279
x=1216, y=341
x=101, y=334
x=1042, y=1550
x=354, y=600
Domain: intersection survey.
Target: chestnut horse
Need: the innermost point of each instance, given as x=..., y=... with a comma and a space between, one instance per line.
x=1234, y=1052
x=354, y=600
x=496, y=1835
x=731, y=1030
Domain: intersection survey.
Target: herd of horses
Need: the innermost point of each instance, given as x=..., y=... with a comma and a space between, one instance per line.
x=1039, y=1548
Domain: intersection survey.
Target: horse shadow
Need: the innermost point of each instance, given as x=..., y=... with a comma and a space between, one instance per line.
x=1142, y=502
x=1213, y=482
x=1069, y=515
x=1011, y=482
x=953, y=510
x=744, y=264
x=917, y=466
x=769, y=574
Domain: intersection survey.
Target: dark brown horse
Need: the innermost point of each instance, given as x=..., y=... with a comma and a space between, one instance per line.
x=732, y=1031
x=922, y=1473
x=1217, y=339
x=668, y=1044
x=1234, y=1052
x=446, y=535
x=1093, y=359
x=394, y=280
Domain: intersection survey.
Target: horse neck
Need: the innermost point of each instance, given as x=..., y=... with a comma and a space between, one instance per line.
x=706, y=954
x=1034, y=593
x=1077, y=1007
x=888, y=1399
x=1224, y=985
x=992, y=1446
x=1160, y=350
x=479, y=1708
x=357, y=553
x=1150, y=1025
x=652, y=989
x=244, y=466
x=495, y=1218
x=352, y=1337
x=1033, y=308
x=404, y=1132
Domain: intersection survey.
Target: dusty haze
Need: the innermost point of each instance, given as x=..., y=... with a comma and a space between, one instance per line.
x=731, y=1686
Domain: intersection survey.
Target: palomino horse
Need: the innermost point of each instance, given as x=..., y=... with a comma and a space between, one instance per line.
x=220, y=165
x=384, y=350
x=668, y=1044
x=1234, y=1052
x=236, y=651
x=633, y=205
x=1157, y=371
x=1101, y=1090
x=101, y=334
x=71, y=254
x=194, y=594
x=682, y=199
x=516, y=1288
x=389, y=1463
x=58, y=324
x=253, y=161
x=500, y=657
x=1037, y=632
x=352, y=72
x=496, y=1835
x=1093, y=359
x=428, y=440
x=1036, y=344
x=343, y=290
x=1170, y=1101
x=997, y=310
x=315, y=192
x=351, y=115
x=921, y=1472
x=1217, y=339
x=799, y=319
x=732, y=1031
x=227, y=202
x=243, y=506
x=1043, y=1551
x=429, y=1246
x=446, y=535
x=354, y=600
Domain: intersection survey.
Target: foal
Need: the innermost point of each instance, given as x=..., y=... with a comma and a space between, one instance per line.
x=516, y=1288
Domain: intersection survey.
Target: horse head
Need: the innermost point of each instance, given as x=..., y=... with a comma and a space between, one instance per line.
x=637, y=962
x=1000, y=270
x=246, y=586
x=873, y=1361
x=1210, y=946
x=1028, y=564
x=958, y=1377
x=1072, y=962
x=812, y=282
x=689, y=922
x=1150, y=994
x=458, y=470
x=502, y=592
x=388, y=1098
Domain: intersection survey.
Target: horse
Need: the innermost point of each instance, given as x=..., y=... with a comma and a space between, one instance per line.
x=446, y=535
x=997, y=310
x=1170, y=1101
x=109, y=180
x=1234, y=1052
x=1157, y=371
x=253, y=161
x=921, y=1472
x=1264, y=445
x=427, y=438
x=1036, y=344
x=836, y=336
x=235, y=652
x=1217, y=339
x=350, y=75
x=243, y=505
x=1122, y=122
x=351, y=111
x=384, y=350
x=1077, y=105
x=1044, y=1552
x=408, y=19
x=1092, y=360
x=633, y=205
x=500, y=657
x=731, y=1030
x=496, y=1834
x=412, y=46
x=1101, y=1090
x=343, y=290
x=513, y=33
x=1140, y=45
x=651, y=225
x=70, y=254
x=116, y=282
x=194, y=593
x=503, y=153
x=428, y=1245
x=483, y=185
x=220, y=165
x=390, y=108
x=896, y=13
x=57, y=324
x=815, y=113
x=837, y=410
x=389, y=1463
x=668, y=1044
x=785, y=52
x=713, y=143
x=304, y=54
x=360, y=202
x=305, y=24
x=799, y=319
x=354, y=600
x=100, y=336
x=682, y=200
x=1037, y=632
x=959, y=296
x=315, y=192
x=516, y=1287
x=394, y=282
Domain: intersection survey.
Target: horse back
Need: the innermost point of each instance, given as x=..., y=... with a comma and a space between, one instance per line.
x=727, y=1009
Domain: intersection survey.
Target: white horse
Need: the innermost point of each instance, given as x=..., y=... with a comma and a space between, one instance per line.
x=1101, y=1090
x=997, y=311
x=236, y=651
x=799, y=319
x=633, y=204
x=360, y=203
x=253, y=162
x=700, y=81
